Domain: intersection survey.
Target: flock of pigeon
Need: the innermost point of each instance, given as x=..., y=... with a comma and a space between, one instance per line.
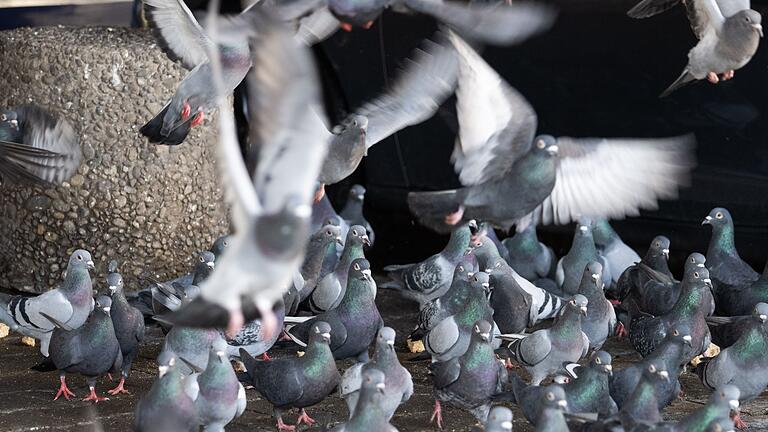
x=294, y=271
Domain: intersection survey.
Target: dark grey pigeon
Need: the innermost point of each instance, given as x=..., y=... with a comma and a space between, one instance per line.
x=355, y=321
x=589, y=392
x=129, y=327
x=692, y=307
x=728, y=32
x=431, y=278
x=221, y=398
x=543, y=180
x=734, y=302
x=90, y=350
x=167, y=407
x=649, y=284
x=219, y=246
x=353, y=210
x=727, y=269
x=721, y=403
x=486, y=231
x=570, y=268
x=399, y=386
x=544, y=351
x=323, y=213
x=615, y=255
x=642, y=406
x=37, y=148
x=321, y=251
x=471, y=380
x=69, y=304
x=191, y=344
x=551, y=418
x=296, y=382
x=600, y=321
x=528, y=256
x=535, y=400
x=369, y=413
x=331, y=288
x=668, y=356
x=252, y=337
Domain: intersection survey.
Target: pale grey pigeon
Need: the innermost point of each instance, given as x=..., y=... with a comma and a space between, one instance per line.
x=614, y=254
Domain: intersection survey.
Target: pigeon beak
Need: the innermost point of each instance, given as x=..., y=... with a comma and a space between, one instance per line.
x=759, y=28
x=106, y=311
x=553, y=150
x=366, y=240
x=708, y=281
x=486, y=286
x=734, y=404
x=583, y=310
x=391, y=343
x=507, y=425
x=360, y=197
x=112, y=289
x=664, y=375
x=339, y=241
x=90, y=265
x=700, y=265
x=381, y=387
x=367, y=274
x=220, y=355
x=485, y=336
x=609, y=369
x=211, y=265
x=562, y=403
x=596, y=277
x=162, y=370
x=326, y=337
x=665, y=252
x=707, y=220
x=763, y=318
x=687, y=339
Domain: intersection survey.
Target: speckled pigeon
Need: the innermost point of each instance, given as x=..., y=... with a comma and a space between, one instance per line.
x=129, y=327
x=543, y=352
x=69, y=304
x=252, y=337
x=649, y=284
x=369, y=413
x=90, y=350
x=36, y=147
x=296, y=382
x=399, y=386
x=167, y=407
x=720, y=404
x=431, y=278
x=355, y=321
x=528, y=256
x=471, y=380
x=570, y=268
x=600, y=321
x=614, y=254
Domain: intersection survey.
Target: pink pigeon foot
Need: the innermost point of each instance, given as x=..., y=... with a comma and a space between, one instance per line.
x=712, y=77
x=455, y=217
x=94, y=397
x=265, y=357
x=728, y=75
x=621, y=331
x=119, y=389
x=305, y=418
x=64, y=390
x=738, y=422
x=236, y=322
x=284, y=427
x=437, y=415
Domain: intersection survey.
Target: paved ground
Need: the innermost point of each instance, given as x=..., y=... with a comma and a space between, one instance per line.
x=26, y=397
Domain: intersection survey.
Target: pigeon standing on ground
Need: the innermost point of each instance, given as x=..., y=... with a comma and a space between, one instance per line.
x=369, y=413
x=615, y=255
x=36, y=147
x=600, y=321
x=721, y=403
x=355, y=321
x=649, y=284
x=321, y=248
x=353, y=211
x=543, y=180
x=129, y=327
x=252, y=337
x=432, y=277
x=191, y=344
x=543, y=352
x=70, y=304
x=91, y=350
x=551, y=418
x=740, y=302
x=728, y=32
x=297, y=382
x=589, y=392
x=167, y=407
x=471, y=380
x=399, y=386
x=570, y=268
x=529, y=257
x=536, y=400
x=221, y=398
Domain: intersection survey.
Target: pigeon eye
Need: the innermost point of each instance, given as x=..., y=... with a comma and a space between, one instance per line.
x=498, y=264
x=201, y=259
x=573, y=302
x=651, y=368
x=226, y=244
x=540, y=144
x=79, y=258
x=328, y=232
x=475, y=279
x=3, y=117
x=550, y=396
x=675, y=333
x=719, y=215
x=598, y=361
x=354, y=232
x=696, y=274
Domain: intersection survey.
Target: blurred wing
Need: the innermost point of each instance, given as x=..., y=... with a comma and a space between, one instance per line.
x=614, y=178
x=705, y=16
x=290, y=133
x=649, y=8
x=732, y=7
x=178, y=32
x=317, y=27
x=496, y=124
x=497, y=23
x=288, y=10
x=427, y=80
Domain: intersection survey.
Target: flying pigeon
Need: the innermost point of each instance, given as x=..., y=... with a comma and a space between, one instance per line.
x=353, y=211
x=543, y=179
x=728, y=33
x=369, y=413
x=129, y=327
x=36, y=147
x=167, y=407
x=614, y=254
x=69, y=304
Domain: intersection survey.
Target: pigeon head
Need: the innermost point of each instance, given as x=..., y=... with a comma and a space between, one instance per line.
x=500, y=418
x=761, y=312
x=467, y=266
x=165, y=361
x=221, y=244
x=474, y=229
x=282, y=235
x=357, y=235
x=81, y=259
x=206, y=259
x=104, y=303
x=602, y=362
x=554, y=397
x=360, y=269
x=480, y=281
x=594, y=271
x=701, y=275
x=584, y=227
x=682, y=333
x=11, y=118
x=115, y=283
x=695, y=261
x=330, y=233
x=546, y=145
x=721, y=424
x=373, y=380
x=495, y=265
x=321, y=332
x=655, y=371
x=482, y=331
x=744, y=22
x=718, y=217
x=578, y=303
x=728, y=394
x=386, y=338
x=218, y=352
x=660, y=246
x=357, y=193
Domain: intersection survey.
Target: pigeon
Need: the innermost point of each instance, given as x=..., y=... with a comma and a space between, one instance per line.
x=642, y=407
x=321, y=248
x=431, y=278
x=535, y=400
x=90, y=350
x=37, y=148
x=353, y=211
x=323, y=213
x=221, y=397
x=499, y=420
x=543, y=180
x=589, y=392
x=167, y=407
x=728, y=33
x=551, y=418
x=355, y=321
x=369, y=414
x=600, y=321
x=543, y=352
x=169, y=296
x=399, y=386
x=128, y=323
x=451, y=337
x=219, y=246
x=529, y=257
x=742, y=364
x=296, y=382
x=614, y=254
x=570, y=268
x=252, y=337
x=646, y=332
x=486, y=231
x=191, y=344
x=719, y=406
x=668, y=356
x=330, y=289
x=649, y=283
x=69, y=304
x=734, y=302
x=471, y=380
x=728, y=270
x=270, y=213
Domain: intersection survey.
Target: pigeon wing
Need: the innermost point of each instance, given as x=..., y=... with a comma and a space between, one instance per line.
x=179, y=33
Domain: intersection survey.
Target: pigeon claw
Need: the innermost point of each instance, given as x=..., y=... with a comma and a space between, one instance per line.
x=621, y=331
x=455, y=217
x=265, y=356
x=437, y=415
x=347, y=27
x=284, y=427
x=197, y=120
x=185, y=111
x=94, y=397
x=508, y=364
x=64, y=390
x=738, y=422
x=713, y=78
x=728, y=75
x=319, y=193
x=368, y=25
x=119, y=389
x=305, y=418
x=236, y=322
